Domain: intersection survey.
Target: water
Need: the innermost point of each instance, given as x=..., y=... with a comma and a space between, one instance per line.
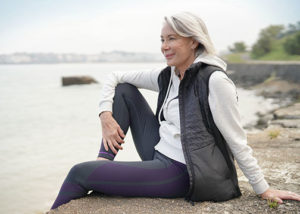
x=47, y=128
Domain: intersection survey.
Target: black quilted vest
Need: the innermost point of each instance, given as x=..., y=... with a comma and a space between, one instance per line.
x=208, y=158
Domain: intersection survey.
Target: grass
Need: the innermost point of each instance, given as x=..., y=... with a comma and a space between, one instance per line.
x=274, y=134
x=235, y=58
x=272, y=204
x=270, y=78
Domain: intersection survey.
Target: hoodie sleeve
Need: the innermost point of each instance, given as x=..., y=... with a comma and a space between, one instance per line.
x=224, y=108
x=146, y=79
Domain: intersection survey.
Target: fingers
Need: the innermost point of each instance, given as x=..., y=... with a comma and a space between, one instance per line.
x=117, y=145
x=290, y=196
x=296, y=197
x=113, y=142
x=105, y=144
x=277, y=199
x=279, y=195
x=121, y=133
x=112, y=133
x=113, y=145
x=119, y=139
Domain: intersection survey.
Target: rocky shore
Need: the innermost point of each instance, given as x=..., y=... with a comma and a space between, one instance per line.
x=276, y=146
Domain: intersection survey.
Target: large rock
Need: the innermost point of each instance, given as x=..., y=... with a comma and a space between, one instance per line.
x=291, y=112
x=77, y=80
x=247, y=203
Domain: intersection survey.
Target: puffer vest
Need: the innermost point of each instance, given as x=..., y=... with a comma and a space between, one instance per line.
x=209, y=161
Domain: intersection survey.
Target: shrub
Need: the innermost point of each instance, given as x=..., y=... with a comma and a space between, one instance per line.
x=292, y=44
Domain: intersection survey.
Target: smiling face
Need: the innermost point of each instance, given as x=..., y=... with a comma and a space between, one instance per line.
x=179, y=51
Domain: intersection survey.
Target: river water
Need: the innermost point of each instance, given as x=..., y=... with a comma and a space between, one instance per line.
x=47, y=128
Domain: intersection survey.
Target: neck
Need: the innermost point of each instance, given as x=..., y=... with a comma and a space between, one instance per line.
x=179, y=74
x=180, y=70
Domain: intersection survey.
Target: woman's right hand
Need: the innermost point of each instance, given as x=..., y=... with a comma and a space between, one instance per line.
x=112, y=134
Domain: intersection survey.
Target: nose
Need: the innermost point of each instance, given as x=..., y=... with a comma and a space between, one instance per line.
x=164, y=46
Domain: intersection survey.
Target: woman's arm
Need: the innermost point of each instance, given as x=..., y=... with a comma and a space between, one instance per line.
x=112, y=134
x=224, y=108
x=140, y=79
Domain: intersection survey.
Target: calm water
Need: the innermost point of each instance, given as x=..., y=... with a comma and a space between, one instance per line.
x=47, y=128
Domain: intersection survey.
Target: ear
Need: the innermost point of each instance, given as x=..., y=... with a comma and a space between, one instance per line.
x=195, y=44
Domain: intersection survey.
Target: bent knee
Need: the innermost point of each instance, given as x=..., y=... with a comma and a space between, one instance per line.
x=80, y=172
x=125, y=88
x=75, y=172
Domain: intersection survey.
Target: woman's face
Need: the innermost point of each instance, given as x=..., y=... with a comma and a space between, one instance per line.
x=179, y=51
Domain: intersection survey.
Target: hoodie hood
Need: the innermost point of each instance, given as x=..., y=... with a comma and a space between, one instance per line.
x=210, y=60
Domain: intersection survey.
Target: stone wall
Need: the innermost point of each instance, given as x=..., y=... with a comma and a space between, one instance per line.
x=249, y=74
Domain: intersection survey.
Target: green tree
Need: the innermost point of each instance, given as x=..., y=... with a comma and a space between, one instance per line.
x=238, y=47
x=272, y=31
x=265, y=40
x=292, y=44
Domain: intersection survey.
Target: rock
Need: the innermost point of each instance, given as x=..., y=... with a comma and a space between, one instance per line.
x=77, y=80
x=278, y=89
x=291, y=112
x=287, y=123
x=247, y=203
x=264, y=120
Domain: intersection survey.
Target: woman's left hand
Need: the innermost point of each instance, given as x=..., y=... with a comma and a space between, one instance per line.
x=279, y=195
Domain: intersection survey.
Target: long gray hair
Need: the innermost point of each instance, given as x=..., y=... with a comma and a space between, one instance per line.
x=187, y=24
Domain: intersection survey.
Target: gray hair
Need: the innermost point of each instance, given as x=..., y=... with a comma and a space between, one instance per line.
x=187, y=24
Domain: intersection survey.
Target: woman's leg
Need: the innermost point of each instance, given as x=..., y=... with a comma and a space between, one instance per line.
x=160, y=177
x=146, y=178
x=131, y=109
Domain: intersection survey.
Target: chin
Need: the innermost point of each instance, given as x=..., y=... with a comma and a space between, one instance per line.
x=170, y=63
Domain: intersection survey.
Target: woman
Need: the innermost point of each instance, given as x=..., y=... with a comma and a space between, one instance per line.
x=187, y=147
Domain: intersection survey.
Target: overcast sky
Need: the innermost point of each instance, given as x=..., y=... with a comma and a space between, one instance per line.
x=93, y=26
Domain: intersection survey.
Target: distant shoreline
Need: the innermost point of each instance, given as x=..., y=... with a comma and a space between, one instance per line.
x=53, y=58
x=69, y=63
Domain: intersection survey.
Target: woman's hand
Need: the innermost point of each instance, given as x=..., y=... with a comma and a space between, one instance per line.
x=279, y=195
x=112, y=133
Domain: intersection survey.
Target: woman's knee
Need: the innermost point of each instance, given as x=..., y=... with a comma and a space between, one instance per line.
x=80, y=172
x=125, y=89
x=75, y=173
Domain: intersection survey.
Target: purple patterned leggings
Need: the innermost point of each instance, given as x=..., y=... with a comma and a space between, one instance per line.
x=155, y=176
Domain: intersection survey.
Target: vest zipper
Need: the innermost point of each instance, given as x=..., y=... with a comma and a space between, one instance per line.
x=165, y=99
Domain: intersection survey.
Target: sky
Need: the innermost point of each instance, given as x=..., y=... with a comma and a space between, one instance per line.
x=95, y=26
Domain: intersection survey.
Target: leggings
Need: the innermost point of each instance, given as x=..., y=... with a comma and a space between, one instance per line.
x=155, y=176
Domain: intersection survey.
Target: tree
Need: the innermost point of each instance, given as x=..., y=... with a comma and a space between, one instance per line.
x=238, y=47
x=292, y=44
x=265, y=40
x=298, y=25
x=261, y=47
